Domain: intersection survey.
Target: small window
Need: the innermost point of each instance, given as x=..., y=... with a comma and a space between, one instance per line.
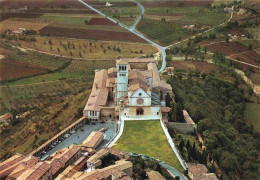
x=120, y=68
x=140, y=94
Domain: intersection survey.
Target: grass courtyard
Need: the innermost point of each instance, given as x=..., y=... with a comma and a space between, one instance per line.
x=147, y=138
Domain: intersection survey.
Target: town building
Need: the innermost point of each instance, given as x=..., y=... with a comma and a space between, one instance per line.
x=93, y=140
x=199, y=171
x=95, y=161
x=6, y=117
x=122, y=169
x=154, y=175
x=131, y=91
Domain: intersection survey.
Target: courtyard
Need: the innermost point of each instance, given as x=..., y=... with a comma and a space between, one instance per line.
x=147, y=138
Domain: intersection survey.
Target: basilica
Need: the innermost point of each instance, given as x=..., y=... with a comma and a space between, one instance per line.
x=131, y=91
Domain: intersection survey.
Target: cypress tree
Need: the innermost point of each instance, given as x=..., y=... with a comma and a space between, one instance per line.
x=181, y=145
x=188, y=145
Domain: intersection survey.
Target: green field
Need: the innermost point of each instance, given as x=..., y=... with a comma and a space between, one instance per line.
x=196, y=15
x=164, y=33
x=147, y=138
x=252, y=115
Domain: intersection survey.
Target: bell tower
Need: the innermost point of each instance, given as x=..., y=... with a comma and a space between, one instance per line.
x=122, y=79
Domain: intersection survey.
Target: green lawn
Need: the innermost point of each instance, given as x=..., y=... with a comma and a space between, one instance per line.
x=252, y=115
x=147, y=138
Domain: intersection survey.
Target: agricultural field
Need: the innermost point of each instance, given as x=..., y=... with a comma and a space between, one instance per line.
x=151, y=144
x=11, y=69
x=54, y=99
x=252, y=115
x=89, y=49
x=74, y=70
x=125, y=12
x=178, y=20
x=90, y=34
x=165, y=32
x=15, y=24
x=202, y=67
x=227, y=48
x=39, y=4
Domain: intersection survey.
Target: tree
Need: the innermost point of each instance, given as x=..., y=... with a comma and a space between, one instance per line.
x=226, y=38
x=250, y=90
x=250, y=47
x=188, y=145
x=181, y=145
x=50, y=42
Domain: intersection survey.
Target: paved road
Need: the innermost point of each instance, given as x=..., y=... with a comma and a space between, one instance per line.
x=133, y=30
x=82, y=133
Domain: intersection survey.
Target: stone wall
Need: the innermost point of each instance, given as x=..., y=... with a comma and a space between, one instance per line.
x=107, y=112
x=182, y=127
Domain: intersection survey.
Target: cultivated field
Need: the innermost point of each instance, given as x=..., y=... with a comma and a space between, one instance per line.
x=10, y=69
x=202, y=67
x=147, y=138
x=227, y=48
x=15, y=24
x=174, y=23
x=89, y=49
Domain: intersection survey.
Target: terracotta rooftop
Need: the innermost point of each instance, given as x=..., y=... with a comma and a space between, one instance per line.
x=11, y=161
x=67, y=173
x=56, y=165
x=99, y=93
x=6, y=116
x=165, y=109
x=116, y=170
x=36, y=172
x=93, y=139
x=123, y=62
x=199, y=172
x=139, y=60
x=9, y=165
x=111, y=72
x=157, y=82
x=97, y=99
x=155, y=175
x=96, y=157
x=72, y=150
x=137, y=80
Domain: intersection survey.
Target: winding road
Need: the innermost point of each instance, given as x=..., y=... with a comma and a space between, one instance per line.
x=136, y=32
x=133, y=29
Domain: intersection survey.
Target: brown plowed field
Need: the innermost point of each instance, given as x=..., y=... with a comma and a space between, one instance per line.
x=248, y=57
x=203, y=67
x=227, y=48
x=175, y=3
x=90, y=34
x=4, y=16
x=10, y=69
x=101, y=21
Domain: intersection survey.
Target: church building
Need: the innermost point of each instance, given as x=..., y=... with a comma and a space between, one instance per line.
x=131, y=91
